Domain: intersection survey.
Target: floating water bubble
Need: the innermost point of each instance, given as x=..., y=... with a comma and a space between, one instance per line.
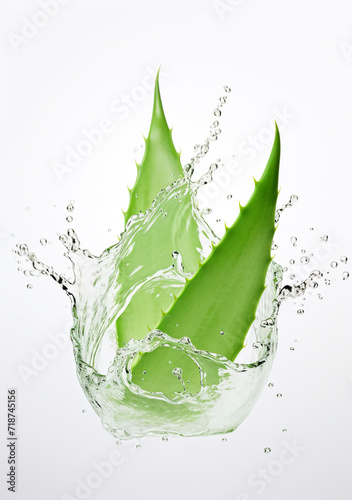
x=224, y=440
x=267, y=450
x=292, y=261
x=138, y=446
x=300, y=311
x=274, y=247
x=165, y=438
x=292, y=348
x=319, y=296
x=27, y=208
x=217, y=112
x=229, y=196
x=325, y=237
x=43, y=242
x=204, y=149
x=227, y=89
x=344, y=259
x=214, y=125
x=222, y=333
x=70, y=207
x=327, y=282
x=270, y=384
x=258, y=345
x=293, y=240
x=303, y=250
x=293, y=276
x=304, y=260
x=311, y=229
x=118, y=442
x=29, y=286
x=69, y=218
x=279, y=395
x=345, y=275
x=313, y=284
x=334, y=264
x=284, y=430
x=84, y=411
x=207, y=211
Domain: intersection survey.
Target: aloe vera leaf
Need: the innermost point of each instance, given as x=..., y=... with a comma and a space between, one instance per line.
x=161, y=162
x=153, y=247
x=224, y=293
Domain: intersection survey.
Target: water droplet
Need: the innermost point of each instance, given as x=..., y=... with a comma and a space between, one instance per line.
x=70, y=207
x=229, y=197
x=27, y=208
x=311, y=229
x=257, y=345
x=303, y=251
x=327, y=282
x=207, y=211
x=214, y=125
x=135, y=150
x=222, y=333
x=334, y=264
x=217, y=112
x=144, y=373
x=344, y=259
x=224, y=440
x=293, y=198
x=300, y=311
x=325, y=237
x=270, y=384
x=165, y=438
x=313, y=284
x=292, y=277
x=29, y=286
x=304, y=260
x=284, y=430
x=292, y=348
x=319, y=296
x=292, y=261
x=204, y=149
x=43, y=242
x=69, y=218
x=19, y=269
x=345, y=275
x=293, y=240
x=274, y=247
x=279, y=395
x=138, y=446
x=267, y=450
x=223, y=100
x=227, y=89
x=84, y=411
x=118, y=442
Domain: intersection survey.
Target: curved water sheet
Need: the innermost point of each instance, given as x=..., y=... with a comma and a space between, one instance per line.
x=128, y=411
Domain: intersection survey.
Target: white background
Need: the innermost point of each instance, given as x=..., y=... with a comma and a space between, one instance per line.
x=291, y=57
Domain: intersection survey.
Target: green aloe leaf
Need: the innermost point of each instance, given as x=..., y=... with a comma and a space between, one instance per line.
x=154, y=246
x=161, y=162
x=224, y=293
